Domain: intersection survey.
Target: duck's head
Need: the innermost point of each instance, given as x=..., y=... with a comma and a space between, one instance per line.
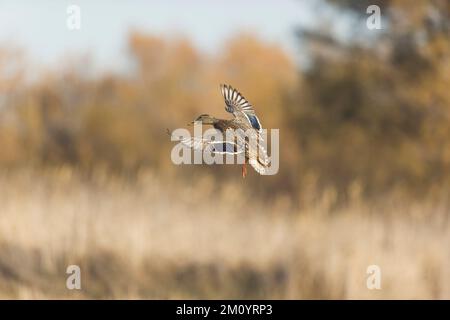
x=204, y=119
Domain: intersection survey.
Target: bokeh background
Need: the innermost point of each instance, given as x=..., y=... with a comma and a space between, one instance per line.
x=85, y=170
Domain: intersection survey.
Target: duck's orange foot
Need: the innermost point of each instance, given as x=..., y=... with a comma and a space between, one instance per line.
x=244, y=170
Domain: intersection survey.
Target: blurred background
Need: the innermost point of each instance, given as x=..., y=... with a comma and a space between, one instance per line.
x=86, y=176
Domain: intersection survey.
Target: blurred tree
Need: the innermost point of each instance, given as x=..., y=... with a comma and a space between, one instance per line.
x=376, y=104
x=370, y=111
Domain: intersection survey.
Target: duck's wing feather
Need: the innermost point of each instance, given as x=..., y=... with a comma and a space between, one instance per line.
x=256, y=152
x=204, y=144
x=239, y=106
x=257, y=158
x=225, y=147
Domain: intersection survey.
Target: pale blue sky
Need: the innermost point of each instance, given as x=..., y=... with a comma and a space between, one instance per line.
x=40, y=26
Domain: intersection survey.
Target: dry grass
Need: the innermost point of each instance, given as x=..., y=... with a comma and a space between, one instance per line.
x=156, y=239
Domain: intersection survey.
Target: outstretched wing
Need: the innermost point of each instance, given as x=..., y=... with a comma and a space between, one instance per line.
x=225, y=147
x=239, y=106
x=205, y=144
x=218, y=147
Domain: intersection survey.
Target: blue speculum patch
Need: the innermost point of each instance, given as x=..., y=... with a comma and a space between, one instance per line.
x=254, y=121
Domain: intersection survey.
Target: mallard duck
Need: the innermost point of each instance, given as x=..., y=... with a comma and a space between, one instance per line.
x=244, y=119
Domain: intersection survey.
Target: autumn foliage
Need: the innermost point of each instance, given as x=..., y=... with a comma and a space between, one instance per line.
x=374, y=115
x=86, y=175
